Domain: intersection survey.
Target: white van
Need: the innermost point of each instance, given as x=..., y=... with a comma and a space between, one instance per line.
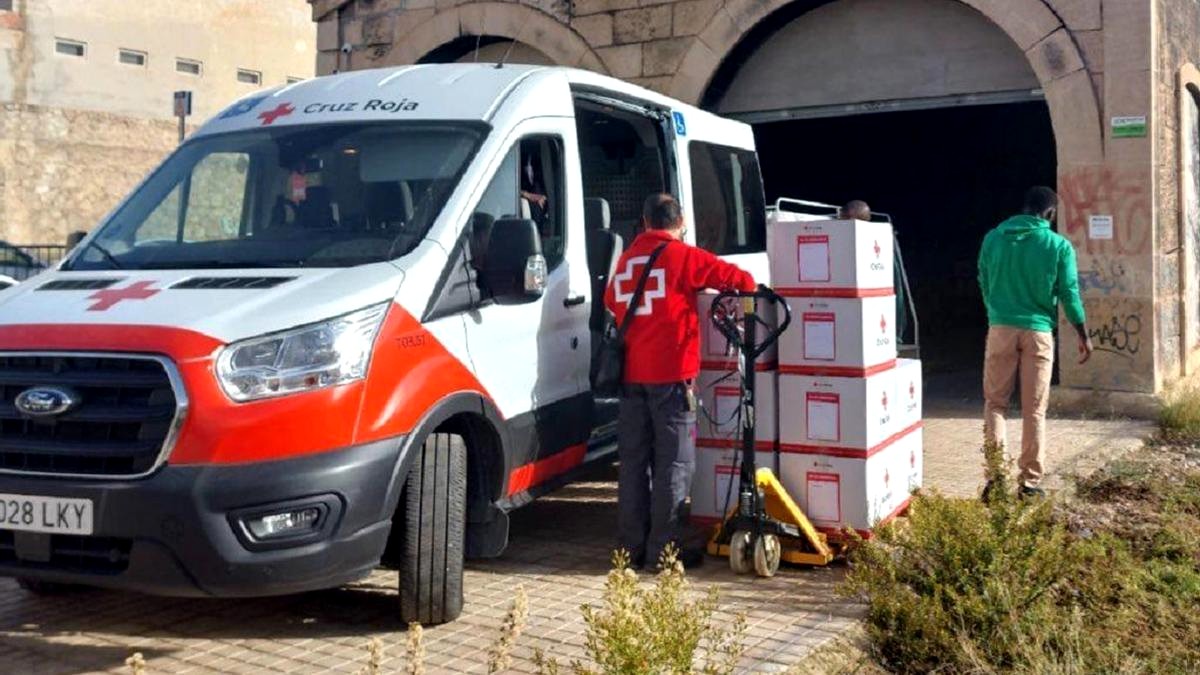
x=349, y=319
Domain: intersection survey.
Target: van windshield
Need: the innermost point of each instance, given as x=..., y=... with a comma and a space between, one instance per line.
x=317, y=196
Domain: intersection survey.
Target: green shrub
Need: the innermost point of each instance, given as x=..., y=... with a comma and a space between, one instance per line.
x=1015, y=586
x=1179, y=418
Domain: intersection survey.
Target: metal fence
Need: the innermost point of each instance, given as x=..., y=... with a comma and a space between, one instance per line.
x=21, y=261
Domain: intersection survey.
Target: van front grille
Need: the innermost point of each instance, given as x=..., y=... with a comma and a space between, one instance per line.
x=125, y=416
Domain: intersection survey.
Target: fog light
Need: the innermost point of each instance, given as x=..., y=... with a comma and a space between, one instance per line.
x=285, y=524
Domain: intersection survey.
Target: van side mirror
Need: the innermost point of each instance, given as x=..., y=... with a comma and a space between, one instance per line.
x=514, y=269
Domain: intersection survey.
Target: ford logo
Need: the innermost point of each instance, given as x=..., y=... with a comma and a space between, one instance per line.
x=46, y=401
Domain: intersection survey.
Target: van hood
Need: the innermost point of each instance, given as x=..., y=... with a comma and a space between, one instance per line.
x=227, y=305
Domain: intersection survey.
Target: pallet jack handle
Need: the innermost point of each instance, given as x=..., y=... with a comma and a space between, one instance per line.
x=750, y=346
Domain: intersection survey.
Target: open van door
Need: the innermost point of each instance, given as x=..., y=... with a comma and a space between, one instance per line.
x=721, y=188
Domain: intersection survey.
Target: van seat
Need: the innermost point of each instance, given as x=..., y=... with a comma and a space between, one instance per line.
x=603, y=249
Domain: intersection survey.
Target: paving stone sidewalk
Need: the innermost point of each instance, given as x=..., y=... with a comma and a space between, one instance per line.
x=559, y=553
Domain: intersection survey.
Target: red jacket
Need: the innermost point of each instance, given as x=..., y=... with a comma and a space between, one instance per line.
x=662, y=345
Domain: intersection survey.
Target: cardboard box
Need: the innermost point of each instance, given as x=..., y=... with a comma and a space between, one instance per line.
x=717, y=474
x=909, y=393
x=858, y=413
x=849, y=337
x=849, y=412
x=715, y=351
x=859, y=490
x=848, y=258
x=720, y=392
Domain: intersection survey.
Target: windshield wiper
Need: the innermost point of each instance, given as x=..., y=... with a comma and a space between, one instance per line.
x=219, y=264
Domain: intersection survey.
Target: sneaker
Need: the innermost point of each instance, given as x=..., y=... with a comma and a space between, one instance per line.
x=1027, y=492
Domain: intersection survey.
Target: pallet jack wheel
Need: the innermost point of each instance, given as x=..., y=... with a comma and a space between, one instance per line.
x=739, y=552
x=767, y=554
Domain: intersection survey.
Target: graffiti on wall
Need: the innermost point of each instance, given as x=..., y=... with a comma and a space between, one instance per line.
x=1101, y=190
x=1104, y=278
x=1120, y=335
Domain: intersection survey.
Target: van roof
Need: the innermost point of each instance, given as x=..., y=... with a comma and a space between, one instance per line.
x=458, y=91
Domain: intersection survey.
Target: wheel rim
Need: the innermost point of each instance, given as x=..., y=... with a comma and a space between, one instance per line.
x=767, y=553
x=739, y=549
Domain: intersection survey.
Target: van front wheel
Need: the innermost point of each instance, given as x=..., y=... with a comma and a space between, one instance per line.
x=434, y=503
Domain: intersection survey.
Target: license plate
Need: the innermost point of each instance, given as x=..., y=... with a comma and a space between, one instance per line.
x=53, y=515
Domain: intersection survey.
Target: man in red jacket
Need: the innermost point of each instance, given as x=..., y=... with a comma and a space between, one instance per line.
x=656, y=434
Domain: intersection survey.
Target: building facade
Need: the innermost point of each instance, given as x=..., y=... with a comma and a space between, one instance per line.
x=939, y=112
x=86, y=93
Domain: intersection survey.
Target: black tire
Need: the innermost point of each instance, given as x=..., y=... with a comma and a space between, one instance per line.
x=434, y=523
x=46, y=588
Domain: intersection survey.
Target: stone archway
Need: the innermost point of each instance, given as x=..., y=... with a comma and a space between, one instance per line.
x=511, y=21
x=1040, y=34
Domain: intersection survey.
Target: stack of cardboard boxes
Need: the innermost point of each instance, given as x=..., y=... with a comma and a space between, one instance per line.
x=843, y=410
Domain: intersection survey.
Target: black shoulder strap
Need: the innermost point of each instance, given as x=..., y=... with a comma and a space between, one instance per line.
x=636, y=301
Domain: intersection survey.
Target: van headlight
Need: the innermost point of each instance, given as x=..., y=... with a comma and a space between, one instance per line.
x=302, y=359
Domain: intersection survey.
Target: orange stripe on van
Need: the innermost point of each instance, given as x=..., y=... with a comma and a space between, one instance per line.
x=528, y=475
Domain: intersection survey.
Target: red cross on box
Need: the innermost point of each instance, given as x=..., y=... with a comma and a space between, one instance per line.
x=885, y=400
x=105, y=299
x=886, y=478
x=878, y=250
x=882, y=324
x=912, y=458
x=912, y=390
x=281, y=110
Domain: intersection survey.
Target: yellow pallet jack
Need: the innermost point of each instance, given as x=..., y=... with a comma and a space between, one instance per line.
x=766, y=526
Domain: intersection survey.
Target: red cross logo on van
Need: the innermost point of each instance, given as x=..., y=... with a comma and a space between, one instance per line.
x=105, y=299
x=882, y=323
x=912, y=458
x=885, y=400
x=878, y=250
x=887, y=479
x=281, y=110
x=912, y=390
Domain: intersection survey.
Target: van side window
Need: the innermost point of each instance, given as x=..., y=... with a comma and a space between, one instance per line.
x=727, y=197
x=528, y=184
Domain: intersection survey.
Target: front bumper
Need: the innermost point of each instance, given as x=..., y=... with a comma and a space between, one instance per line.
x=171, y=533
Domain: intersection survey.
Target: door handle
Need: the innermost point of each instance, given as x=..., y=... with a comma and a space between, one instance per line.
x=572, y=300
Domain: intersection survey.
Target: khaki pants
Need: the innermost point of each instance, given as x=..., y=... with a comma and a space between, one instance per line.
x=1010, y=350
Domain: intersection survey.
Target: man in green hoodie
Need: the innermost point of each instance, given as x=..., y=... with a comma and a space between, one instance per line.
x=1025, y=271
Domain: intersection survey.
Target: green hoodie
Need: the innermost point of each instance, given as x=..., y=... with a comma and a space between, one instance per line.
x=1025, y=270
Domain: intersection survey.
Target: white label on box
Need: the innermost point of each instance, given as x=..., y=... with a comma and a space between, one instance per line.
x=726, y=404
x=723, y=479
x=823, y=412
x=824, y=497
x=820, y=336
x=812, y=257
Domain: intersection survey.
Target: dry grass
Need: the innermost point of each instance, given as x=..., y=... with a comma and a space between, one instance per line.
x=1179, y=418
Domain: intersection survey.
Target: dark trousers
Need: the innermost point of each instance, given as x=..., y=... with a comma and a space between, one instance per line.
x=656, y=441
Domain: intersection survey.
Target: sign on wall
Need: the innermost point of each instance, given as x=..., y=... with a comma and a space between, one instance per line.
x=1129, y=126
x=1100, y=227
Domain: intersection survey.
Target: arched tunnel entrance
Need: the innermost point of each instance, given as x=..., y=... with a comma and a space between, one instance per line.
x=923, y=108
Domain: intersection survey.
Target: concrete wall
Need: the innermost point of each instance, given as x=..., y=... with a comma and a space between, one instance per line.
x=77, y=133
x=1177, y=145
x=1094, y=60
